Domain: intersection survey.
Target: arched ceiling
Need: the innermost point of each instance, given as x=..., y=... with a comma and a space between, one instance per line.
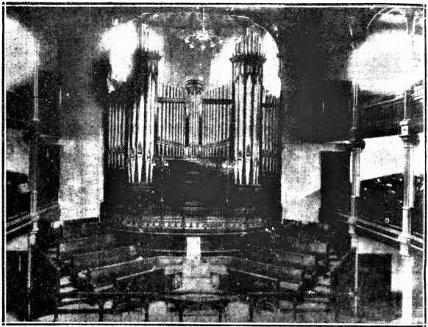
x=325, y=29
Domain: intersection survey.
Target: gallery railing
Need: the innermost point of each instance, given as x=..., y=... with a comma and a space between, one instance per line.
x=383, y=117
x=22, y=220
x=174, y=220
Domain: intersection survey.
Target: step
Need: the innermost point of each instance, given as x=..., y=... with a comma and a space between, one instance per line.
x=285, y=305
x=324, y=281
x=82, y=306
x=287, y=273
x=71, y=300
x=251, y=274
x=105, y=274
x=67, y=289
x=65, y=281
x=104, y=257
x=200, y=313
x=323, y=290
x=317, y=299
x=309, y=247
x=288, y=286
x=86, y=244
x=298, y=258
x=69, y=294
x=308, y=306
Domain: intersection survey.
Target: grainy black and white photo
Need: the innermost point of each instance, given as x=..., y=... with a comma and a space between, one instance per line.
x=214, y=163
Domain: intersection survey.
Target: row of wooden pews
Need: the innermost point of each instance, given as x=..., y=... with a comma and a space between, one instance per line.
x=102, y=274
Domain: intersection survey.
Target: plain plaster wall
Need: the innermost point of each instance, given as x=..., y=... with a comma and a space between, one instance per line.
x=383, y=156
x=301, y=180
x=17, y=152
x=81, y=177
x=368, y=246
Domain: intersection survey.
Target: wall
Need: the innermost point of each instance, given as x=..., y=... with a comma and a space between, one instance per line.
x=368, y=246
x=301, y=180
x=81, y=176
x=301, y=171
x=17, y=155
x=383, y=156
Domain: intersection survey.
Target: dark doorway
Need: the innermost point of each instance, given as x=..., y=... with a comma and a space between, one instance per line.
x=187, y=131
x=200, y=128
x=375, y=276
x=335, y=185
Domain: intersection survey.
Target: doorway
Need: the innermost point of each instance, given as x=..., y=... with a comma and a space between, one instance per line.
x=335, y=185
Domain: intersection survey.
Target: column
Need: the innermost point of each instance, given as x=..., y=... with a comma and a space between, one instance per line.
x=288, y=75
x=357, y=144
x=33, y=180
x=410, y=140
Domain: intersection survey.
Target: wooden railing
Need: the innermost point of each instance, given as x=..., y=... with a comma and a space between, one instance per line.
x=382, y=232
x=167, y=219
x=45, y=288
x=381, y=202
x=151, y=284
x=381, y=118
x=342, y=280
x=378, y=117
x=20, y=221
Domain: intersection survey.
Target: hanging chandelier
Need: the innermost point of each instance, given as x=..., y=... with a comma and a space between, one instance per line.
x=203, y=38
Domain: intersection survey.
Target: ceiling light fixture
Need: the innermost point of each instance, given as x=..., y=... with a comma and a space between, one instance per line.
x=203, y=38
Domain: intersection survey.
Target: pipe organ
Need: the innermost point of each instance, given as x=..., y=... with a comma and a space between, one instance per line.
x=142, y=119
x=116, y=155
x=171, y=121
x=194, y=88
x=247, y=78
x=236, y=122
x=270, y=141
x=216, y=113
x=131, y=117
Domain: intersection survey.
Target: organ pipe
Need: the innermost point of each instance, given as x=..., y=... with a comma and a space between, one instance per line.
x=172, y=123
x=235, y=122
x=131, y=117
x=247, y=64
